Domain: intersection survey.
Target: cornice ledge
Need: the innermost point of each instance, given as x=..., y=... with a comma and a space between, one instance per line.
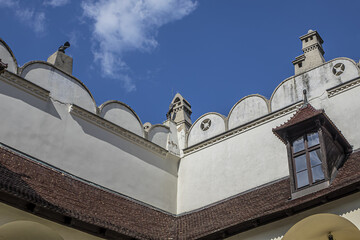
x=343, y=87
x=117, y=130
x=25, y=85
x=243, y=128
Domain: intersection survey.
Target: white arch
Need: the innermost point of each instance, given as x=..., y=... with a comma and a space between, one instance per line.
x=319, y=226
x=27, y=230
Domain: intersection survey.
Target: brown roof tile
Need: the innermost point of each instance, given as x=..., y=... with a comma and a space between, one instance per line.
x=305, y=112
x=22, y=178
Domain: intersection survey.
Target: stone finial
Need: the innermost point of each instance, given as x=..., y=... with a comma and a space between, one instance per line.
x=305, y=98
x=3, y=66
x=147, y=126
x=313, y=52
x=63, y=47
x=180, y=111
x=60, y=60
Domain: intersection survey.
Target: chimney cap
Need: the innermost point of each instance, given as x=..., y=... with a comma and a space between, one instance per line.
x=312, y=33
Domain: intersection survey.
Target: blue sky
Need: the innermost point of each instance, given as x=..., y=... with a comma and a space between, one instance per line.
x=214, y=52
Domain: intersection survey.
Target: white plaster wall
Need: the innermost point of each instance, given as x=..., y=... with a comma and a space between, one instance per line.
x=344, y=111
x=62, y=87
x=248, y=160
x=6, y=57
x=247, y=109
x=159, y=135
x=255, y=157
x=122, y=115
x=47, y=131
x=172, y=141
x=181, y=135
x=196, y=134
x=9, y=214
x=347, y=207
x=315, y=82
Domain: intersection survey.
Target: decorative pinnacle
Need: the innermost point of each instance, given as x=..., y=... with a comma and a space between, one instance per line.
x=305, y=98
x=63, y=47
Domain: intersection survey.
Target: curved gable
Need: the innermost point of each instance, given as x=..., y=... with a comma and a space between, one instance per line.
x=158, y=134
x=207, y=126
x=247, y=109
x=122, y=115
x=315, y=81
x=62, y=87
x=7, y=56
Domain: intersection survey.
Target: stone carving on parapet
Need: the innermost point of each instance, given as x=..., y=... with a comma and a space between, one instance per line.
x=206, y=126
x=3, y=66
x=8, y=57
x=63, y=47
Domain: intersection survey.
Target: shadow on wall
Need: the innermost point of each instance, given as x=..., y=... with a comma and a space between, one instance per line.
x=13, y=92
x=126, y=146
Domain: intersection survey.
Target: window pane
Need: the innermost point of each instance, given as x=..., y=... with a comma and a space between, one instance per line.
x=313, y=139
x=300, y=163
x=317, y=173
x=298, y=145
x=315, y=157
x=302, y=179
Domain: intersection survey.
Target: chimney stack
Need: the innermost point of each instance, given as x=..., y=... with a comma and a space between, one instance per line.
x=313, y=52
x=60, y=60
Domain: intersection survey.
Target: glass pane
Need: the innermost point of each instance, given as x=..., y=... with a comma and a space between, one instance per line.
x=313, y=139
x=315, y=157
x=300, y=163
x=298, y=145
x=317, y=173
x=302, y=179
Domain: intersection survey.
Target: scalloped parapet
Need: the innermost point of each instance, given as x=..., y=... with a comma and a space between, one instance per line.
x=122, y=115
x=158, y=134
x=207, y=126
x=247, y=109
x=62, y=87
x=315, y=81
x=7, y=56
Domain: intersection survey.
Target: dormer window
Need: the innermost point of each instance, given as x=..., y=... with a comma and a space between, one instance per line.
x=307, y=160
x=316, y=149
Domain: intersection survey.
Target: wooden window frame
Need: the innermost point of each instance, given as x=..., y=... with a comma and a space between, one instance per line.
x=306, y=151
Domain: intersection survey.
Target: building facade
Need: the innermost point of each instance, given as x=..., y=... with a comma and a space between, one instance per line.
x=287, y=167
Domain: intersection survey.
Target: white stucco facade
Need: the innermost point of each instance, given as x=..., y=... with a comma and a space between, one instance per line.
x=175, y=167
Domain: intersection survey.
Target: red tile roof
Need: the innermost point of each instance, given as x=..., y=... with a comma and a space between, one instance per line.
x=68, y=200
x=307, y=112
x=304, y=113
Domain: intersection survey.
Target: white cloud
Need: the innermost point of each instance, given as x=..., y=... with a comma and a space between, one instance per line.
x=7, y=3
x=56, y=3
x=129, y=25
x=30, y=17
x=36, y=20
